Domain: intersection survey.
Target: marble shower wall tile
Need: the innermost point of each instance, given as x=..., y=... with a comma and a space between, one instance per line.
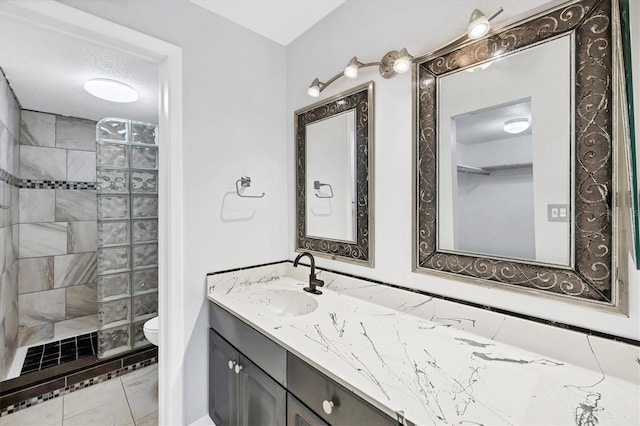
x=6, y=144
x=81, y=300
x=74, y=269
x=37, y=129
x=113, y=233
x=11, y=330
x=113, y=206
x=82, y=237
x=3, y=352
x=31, y=335
x=74, y=205
x=37, y=205
x=35, y=274
x=43, y=163
x=41, y=307
x=43, y=239
x=75, y=133
x=114, y=285
x=9, y=108
x=75, y=326
x=81, y=166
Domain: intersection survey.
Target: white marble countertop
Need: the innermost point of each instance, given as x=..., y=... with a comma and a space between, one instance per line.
x=432, y=373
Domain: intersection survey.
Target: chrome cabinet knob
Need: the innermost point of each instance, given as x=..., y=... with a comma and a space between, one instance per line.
x=231, y=364
x=238, y=368
x=327, y=406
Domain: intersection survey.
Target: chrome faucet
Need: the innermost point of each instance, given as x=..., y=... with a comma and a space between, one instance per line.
x=313, y=281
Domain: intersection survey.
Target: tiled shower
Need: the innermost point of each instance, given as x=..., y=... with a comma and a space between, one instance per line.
x=60, y=220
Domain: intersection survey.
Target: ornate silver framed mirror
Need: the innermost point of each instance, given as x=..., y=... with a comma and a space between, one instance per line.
x=515, y=156
x=334, y=176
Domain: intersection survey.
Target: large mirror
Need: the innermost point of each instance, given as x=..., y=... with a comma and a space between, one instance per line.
x=333, y=176
x=515, y=156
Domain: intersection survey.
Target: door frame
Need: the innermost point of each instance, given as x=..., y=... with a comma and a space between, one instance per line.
x=60, y=17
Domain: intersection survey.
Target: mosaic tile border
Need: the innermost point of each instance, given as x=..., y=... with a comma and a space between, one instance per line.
x=7, y=177
x=77, y=386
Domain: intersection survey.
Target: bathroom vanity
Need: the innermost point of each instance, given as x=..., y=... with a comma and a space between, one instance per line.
x=367, y=353
x=254, y=381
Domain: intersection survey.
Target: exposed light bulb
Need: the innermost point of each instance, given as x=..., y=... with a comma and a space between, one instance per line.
x=314, y=89
x=402, y=63
x=111, y=90
x=351, y=70
x=479, y=25
x=516, y=125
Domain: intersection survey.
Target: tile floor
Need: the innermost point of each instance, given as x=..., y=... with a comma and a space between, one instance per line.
x=129, y=400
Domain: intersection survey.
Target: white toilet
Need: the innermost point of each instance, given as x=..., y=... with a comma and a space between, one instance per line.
x=151, y=330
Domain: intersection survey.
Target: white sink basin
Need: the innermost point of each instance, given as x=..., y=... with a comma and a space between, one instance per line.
x=285, y=303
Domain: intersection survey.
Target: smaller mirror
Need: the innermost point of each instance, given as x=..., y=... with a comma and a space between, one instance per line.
x=333, y=176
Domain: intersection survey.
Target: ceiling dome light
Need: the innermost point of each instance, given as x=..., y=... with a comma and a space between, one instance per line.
x=478, y=25
x=314, y=89
x=516, y=125
x=351, y=71
x=402, y=63
x=111, y=90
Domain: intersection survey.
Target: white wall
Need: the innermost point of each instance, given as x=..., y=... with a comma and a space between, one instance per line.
x=370, y=29
x=494, y=212
x=234, y=125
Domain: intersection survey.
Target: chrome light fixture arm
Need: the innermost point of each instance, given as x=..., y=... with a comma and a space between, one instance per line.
x=398, y=62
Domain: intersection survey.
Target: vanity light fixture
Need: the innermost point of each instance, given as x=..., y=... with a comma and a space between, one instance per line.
x=111, y=90
x=351, y=70
x=479, y=24
x=516, y=125
x=314, y=89
x=402, y=63
x=394, y=62
x=390, y=65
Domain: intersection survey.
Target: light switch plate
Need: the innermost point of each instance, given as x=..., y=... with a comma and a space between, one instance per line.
x=558, y=212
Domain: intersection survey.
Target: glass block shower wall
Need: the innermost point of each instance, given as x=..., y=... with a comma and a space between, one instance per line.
x=127, y=190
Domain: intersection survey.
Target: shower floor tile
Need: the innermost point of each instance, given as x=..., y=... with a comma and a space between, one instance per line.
x=56, y=353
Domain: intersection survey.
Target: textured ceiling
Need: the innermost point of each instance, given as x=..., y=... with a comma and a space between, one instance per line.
x=279, y=20
x=48, y=68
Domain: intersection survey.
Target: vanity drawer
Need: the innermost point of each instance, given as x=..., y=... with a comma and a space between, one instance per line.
x=314, y=388
x=265, y=353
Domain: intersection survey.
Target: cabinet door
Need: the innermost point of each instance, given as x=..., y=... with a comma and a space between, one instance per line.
x=299, y=415
x=262, y=401
x=223, y=381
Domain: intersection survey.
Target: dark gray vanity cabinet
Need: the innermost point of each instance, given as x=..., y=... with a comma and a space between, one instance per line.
x=223, y=381
x=299, y=415
x=254, y=381
x=239, y=392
